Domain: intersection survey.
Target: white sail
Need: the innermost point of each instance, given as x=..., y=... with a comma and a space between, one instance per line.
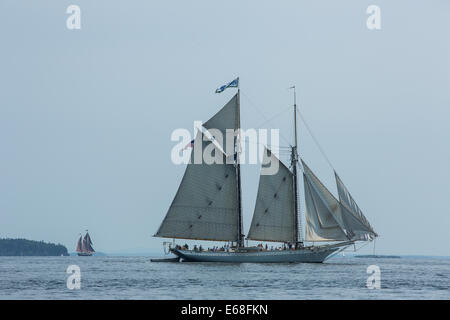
x=323, y=221
x=356, y=222
x=206, y=205
x=273, y=218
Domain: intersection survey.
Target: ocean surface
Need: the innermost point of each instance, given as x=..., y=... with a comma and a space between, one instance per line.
x=138, y=278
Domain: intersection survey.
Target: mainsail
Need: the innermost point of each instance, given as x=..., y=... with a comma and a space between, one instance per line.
x=205, y=206
x=273, y=218
x=323, y=221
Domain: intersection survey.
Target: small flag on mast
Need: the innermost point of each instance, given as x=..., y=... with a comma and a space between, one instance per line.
x=232, y=84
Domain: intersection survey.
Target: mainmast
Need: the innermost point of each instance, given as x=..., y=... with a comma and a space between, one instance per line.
x=294, y=161
x=240, y=239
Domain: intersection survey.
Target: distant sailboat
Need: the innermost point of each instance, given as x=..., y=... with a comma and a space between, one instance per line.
x=84, y=245
x=208, y=206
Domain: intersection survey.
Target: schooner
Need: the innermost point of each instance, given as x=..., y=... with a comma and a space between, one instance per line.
x=208, y=205
x=84, y=246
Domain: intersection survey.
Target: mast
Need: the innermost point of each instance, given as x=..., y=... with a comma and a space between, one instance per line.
x=240, y=239
x=294, y=161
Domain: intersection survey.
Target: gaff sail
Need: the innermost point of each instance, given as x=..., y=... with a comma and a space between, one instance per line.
x=205, y=206
x=273, y=218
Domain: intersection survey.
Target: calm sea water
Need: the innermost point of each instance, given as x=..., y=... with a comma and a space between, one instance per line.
x=138, y=278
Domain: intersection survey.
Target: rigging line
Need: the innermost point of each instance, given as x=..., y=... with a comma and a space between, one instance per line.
x=274, y=116
x=357, y=249
x=281, y=148
x=262, y=114
x=247, y=140
x=315, y=140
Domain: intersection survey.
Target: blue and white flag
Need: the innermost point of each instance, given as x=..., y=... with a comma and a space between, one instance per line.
x=232, y=84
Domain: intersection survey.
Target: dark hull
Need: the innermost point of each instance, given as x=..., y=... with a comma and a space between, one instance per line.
x=176, y=259
x=307, y=255
x=84, y=254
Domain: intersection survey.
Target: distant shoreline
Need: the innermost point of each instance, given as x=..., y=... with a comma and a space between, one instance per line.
x=24, y=247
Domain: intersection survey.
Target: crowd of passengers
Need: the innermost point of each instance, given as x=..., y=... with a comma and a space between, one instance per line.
x=226, y=248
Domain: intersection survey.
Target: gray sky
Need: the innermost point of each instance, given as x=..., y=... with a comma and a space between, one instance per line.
x=86, y=115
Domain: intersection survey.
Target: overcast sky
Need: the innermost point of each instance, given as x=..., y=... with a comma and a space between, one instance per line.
x=86, y=115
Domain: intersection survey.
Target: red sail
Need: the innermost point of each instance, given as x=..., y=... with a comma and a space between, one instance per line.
x=84, y=245
x=79, y=245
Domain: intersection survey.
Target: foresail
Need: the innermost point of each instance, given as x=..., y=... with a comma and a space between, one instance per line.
x=205, y=206
x=357, y=222
x=273, y=218
x=323, y=221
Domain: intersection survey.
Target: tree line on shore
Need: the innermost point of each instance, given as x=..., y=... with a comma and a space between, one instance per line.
x=24, y=247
